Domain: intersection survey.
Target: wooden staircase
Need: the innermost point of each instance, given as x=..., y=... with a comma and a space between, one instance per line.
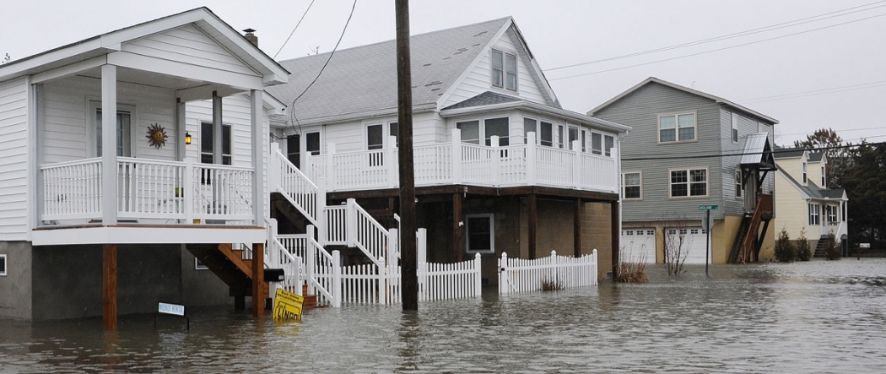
x=748, y=241
x=232, y=266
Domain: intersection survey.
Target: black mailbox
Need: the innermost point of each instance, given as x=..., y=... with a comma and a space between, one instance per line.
x=274, y=275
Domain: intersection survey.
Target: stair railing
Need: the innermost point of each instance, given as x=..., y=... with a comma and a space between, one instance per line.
x=295, y=186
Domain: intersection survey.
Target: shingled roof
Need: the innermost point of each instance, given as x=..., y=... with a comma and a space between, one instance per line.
x=364, y=79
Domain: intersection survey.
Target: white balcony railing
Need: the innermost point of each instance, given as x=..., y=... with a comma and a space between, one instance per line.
x=470, y=164
x=148, y=189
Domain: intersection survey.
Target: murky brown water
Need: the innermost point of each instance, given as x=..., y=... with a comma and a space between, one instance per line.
x=803, y=317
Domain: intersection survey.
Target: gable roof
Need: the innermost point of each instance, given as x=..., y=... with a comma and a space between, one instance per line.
x=364, y=79
x=716, y=99
x=108, y=42
x=757, y=152
x=789, y=152
x=810, y=189
x=815, y=156
x=485, y=98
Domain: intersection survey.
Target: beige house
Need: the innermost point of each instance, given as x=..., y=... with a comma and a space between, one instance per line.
x=804, y=206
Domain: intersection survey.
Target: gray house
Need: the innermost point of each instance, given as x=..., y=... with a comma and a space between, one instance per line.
x=690, y=148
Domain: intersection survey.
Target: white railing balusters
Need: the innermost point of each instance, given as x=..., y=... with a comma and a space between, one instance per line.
x=520, y=275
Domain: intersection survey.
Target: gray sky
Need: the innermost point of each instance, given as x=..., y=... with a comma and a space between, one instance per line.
x=567, y=32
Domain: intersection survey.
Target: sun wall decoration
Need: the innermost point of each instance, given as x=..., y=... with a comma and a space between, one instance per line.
x=156, y=136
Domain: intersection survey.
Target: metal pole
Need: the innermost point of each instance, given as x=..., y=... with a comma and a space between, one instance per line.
x=407, y=178
x=707, y=244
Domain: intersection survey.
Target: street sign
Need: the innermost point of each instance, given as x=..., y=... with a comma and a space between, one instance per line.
x=173, y=309
x=708, y=207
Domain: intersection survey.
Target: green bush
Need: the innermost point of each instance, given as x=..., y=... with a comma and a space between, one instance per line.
x=804, y=251
x=784, y=249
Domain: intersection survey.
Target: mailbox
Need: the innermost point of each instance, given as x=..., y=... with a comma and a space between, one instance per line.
x=274, y=275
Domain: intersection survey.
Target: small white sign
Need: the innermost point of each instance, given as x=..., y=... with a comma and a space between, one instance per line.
x=174, y=309
x=864, y=245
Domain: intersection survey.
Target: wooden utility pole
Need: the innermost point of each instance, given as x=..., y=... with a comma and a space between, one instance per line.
x=407, y=173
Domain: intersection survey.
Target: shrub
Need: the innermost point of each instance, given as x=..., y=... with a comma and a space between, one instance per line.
x=831, y=251
x=632, y=272
x=551, y=285
x=784, y=249
x=804, y=251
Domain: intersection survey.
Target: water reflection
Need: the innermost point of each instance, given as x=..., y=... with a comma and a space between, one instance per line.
x=781, y=318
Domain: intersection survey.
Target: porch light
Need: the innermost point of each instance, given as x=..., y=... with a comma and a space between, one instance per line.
x=188, y=138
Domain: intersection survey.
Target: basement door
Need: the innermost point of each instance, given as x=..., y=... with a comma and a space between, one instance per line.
x=638, y=245
x=694, y=241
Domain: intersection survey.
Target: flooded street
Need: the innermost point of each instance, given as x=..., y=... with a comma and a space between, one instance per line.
x=801, y=317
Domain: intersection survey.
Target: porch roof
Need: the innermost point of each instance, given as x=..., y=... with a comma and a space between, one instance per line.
x=99, y=45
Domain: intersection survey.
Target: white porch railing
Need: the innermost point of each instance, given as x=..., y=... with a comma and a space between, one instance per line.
x=520, y=275
x=148, y=189
x=473, y=164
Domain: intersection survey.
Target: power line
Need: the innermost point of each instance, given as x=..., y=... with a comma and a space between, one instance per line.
x=777, y=26
x=294, y=28
x=819, y=91
x=325, y=64
x=720, y=155
x=835, y=130
x=719, y=49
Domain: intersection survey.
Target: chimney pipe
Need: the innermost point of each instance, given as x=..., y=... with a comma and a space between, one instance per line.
x=250, y=36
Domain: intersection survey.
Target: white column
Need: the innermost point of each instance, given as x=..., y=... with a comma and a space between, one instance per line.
x=531, y=149
x=216, y=128
x=457, y=172
x=109, y=144
x=576, y=164
x=495, y=161
x=180, y=130
x=258, y=155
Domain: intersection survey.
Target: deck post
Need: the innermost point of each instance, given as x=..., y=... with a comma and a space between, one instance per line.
x=216, y=129
x=532, y=222
x=576, y=165
x=503, y=274
x=531, y=150
x=458, y=227
x=351, y=223
x=258, y=279
x=188, y=191
x=109, y=144
x=615, y=234
x=180, y=129
x=109, y=286
x=310, y=258
x=330, y=168
x=259, y=137
x=496, y=161
x=576, y=227
x=391, y=161
x=455, y=143
x=336, y=279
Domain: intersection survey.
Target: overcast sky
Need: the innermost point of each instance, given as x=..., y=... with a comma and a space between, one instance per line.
x=835, y=76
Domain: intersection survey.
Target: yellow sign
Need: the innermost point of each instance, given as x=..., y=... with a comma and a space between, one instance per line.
x=287, y=305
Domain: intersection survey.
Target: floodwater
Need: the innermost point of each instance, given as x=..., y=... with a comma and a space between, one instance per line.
x=802, y=317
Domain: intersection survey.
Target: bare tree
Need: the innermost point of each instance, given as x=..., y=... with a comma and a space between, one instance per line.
x=5, y=59
x=676, y=248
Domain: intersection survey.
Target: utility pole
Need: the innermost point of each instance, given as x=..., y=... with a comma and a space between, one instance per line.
x=407, y=172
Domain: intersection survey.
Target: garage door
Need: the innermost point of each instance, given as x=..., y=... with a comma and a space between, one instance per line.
x=638, y=245
x=694, y=241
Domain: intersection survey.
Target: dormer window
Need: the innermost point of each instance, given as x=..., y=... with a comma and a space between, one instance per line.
x=823, y=180
x=804, y=173
x=504, y=70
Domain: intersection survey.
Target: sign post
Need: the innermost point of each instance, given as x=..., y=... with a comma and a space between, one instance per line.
x=707, y=228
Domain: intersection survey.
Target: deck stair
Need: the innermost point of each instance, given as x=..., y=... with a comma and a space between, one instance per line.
x=747, y=243
x=821, y=248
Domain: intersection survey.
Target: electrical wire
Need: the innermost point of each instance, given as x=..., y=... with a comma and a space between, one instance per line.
x=720, y=155
x=294, y=28
x=819, y=91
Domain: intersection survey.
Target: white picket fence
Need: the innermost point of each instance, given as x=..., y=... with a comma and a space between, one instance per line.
x=446, y=281
x=561, y=272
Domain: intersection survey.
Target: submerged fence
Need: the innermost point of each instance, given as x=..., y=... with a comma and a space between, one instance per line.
x=446, y=281
x=552, y=272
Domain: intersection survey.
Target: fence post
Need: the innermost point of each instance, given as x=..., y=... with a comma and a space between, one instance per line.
x=390, y=159
x=503, y=274
x=531, y=149
x=478, y=276
x=336, y=279
x=455, y=144
x=310, y=258
x=495, y=161
x=189, y=192
x=382, y=281
x=351, y=223
x=554, y=273
x=421, y=256
x=330, y=167
x=594, y=273
x=576, y=164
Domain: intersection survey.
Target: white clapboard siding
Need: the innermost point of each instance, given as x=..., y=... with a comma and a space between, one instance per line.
x=68, y=128
x=479, y=78
x=14, y=159
x=190, y=45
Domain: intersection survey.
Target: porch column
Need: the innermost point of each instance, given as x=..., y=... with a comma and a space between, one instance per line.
x=532, y=222
x=258, y=279
x=180, y=130
x=109, y=144
x=258, y=156
x=216, y=128
x=616, y=235
x=458, y=229
x=109, y=285
x=576, y=228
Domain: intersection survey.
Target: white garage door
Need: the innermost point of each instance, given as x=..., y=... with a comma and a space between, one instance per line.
x=694, y=241
x=638, y=245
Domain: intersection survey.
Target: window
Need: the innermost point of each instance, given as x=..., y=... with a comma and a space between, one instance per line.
x=470, y=131
x=480, y=236
x=584, y=140
x=843, y=215
x=546, y=137
x=814, y=214
x=632, y=185
x=739, y=183
x=572, y=133
x=832, y=214
x=560, y=137
x=394, y=130
x=608, y=144
x=529, y=125
x=823, y=179
x=293, y=149
x=124, y=124
x=734, y=128
x=689, y=183
x=596, y=143
x=312, y=143
x=3, y=265
x=676, y=127
x=504, y=70
x=804, y=173
x=207, y=145
x=629, y=232
x=496, y=127
x=374, y=137
x=650, y=232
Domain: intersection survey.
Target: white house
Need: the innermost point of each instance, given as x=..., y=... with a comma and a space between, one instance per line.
x=804, y=204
